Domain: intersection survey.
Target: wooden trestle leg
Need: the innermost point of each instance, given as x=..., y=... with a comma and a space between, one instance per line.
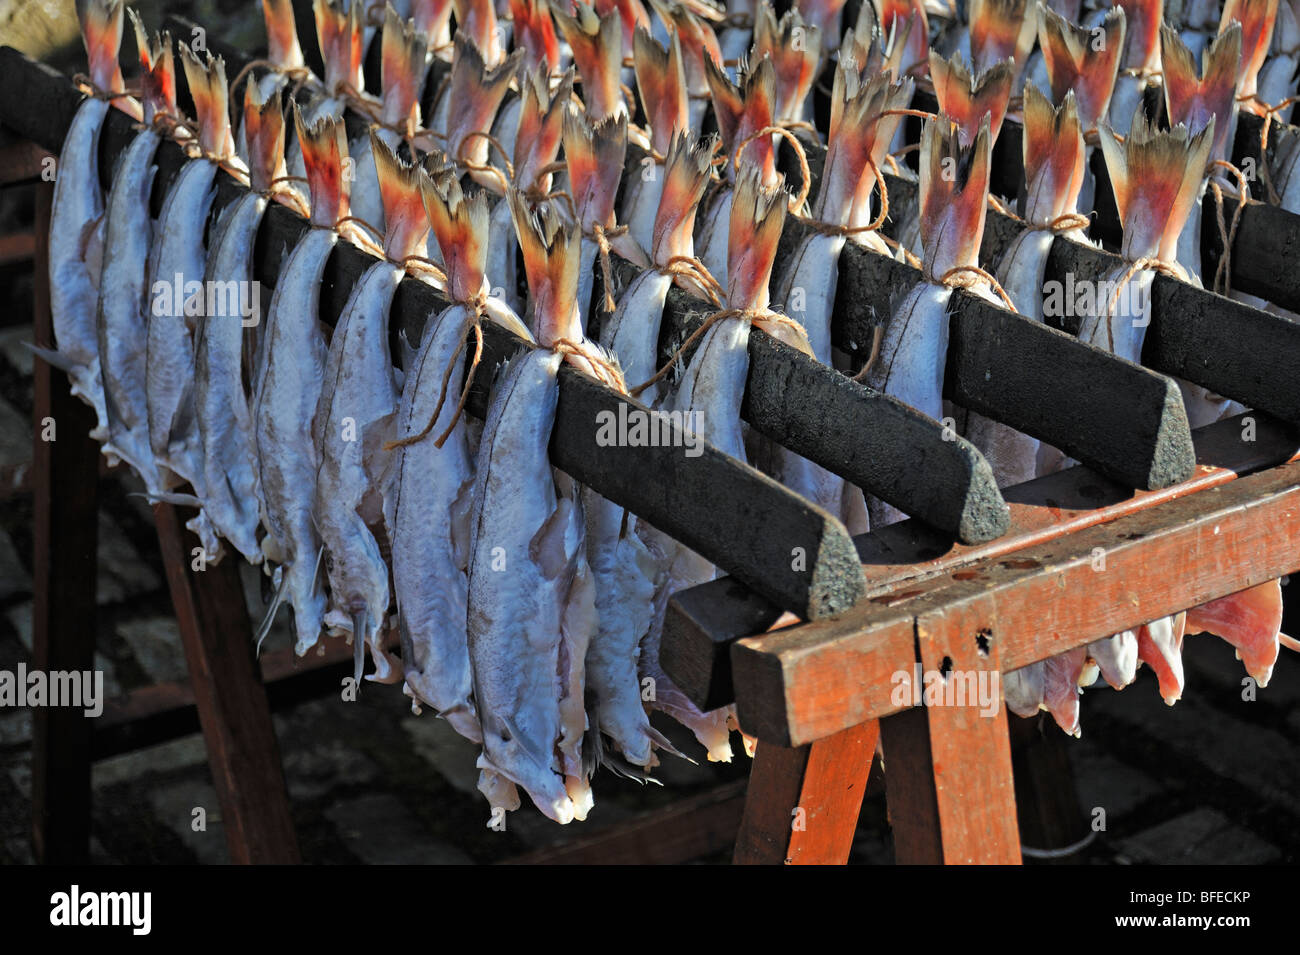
x=802, y=805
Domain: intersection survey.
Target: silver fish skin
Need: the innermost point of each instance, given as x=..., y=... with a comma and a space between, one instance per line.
x=76, y=247
x=641, y=195
x=364, y=201
x=502, y=258
x=230, y=484
x=178, y=250
x=1117, y=658
x=122, y=314
x=1023, y=689
x=710, y=393
x=531, y=602
x=431, y=529
x=712, y=235
x=285, y=395
x=354, y=419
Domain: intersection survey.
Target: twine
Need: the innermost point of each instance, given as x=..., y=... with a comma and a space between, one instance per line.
x=1155, y=264
x=692, y=268
x=1268, y=115
x=827, y=228
x=601, y=236
x=796, y=203
x=492, y=142
x=953, y=279
x=607, y=372
x=1228, y=234
x=877, y=334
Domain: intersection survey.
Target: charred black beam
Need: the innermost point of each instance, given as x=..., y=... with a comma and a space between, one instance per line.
x=729, y=512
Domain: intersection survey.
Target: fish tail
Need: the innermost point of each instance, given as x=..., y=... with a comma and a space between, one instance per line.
x=686, y=176
x=1193, y=96
x=661, y=84
x=402, y=68
x=1081, y=60
x=552, y=255
x=101, y=32
x=1001, y=29
x=460, y=226
x=967, y=97
x=1156, y=178
x=1257, y=19
x=954, y=195
x=594, y=153
x=1142, y=33
x=541, y=127
x=757, y=217
x=339, y=33
x=324, y=146
x=597, y=45
x=477, y=90
x=157, y=70
x=1054, y=156
x=477, y=21
x=264, y=133
x=534, y=32
x=795, y=47
x=1160, y=646
x=282, y=35
x=207, y=83
x=859, y=136
x=1250, y=620
x=406, y=225
x=431, y=19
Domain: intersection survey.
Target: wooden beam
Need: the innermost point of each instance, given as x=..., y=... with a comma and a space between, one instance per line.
x=803, y=803
x=903, y=560
x=243, y=754
x=65, y=507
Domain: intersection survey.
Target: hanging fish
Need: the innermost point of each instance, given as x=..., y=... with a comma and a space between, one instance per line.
x=286, y=389
x=435, y=468
x=795, y=50
x=531, y=599
x=177, y=266
x=354, y=420
x=537, y=143
x=230, y=499
x=699, y=47
x=77, y=214
x=283, y=54
x=661, y=84
x=1257, y=19
x=1141, y=61
x=597, y=45
x=339, y=34
x=477, y=89
x=129, y=228
x=535, y=34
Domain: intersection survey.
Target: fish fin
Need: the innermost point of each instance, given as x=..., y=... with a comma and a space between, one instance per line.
x=359, y=621
x=477, y=90
x=757, y=217
x=264, y=134
x=405, y=221
x=281, y=588
x=1081, y=59
x=661, y=84
x=1001, y=29
x=534, y=32
x=52, y=357
x=409, y=352
x=324, y=146
x=157, y=71
x=541, y=127
x=968, y=97
x=402, y=55
x=282, y=35
x=1257, y=19
x=597, y=45
x=1054, y=156
x=555, y=543
x=460, y=523
x=168, y=497
x=208, y=89
x=794, y=47
x=477, y=21
x=594, y=153
x=1192, y=96
x=340, y=38
x=460, y=226
x=686, y=176
x=551, y=249
x=1250, y=620
x=101, y=32
x=954, y=195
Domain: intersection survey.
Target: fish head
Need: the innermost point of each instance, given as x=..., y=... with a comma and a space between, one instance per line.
x=282, y=46
x=794, y=47
x=477, y=20
x=967, y=99
x=1054, y=156
x=954, y=195
x=1141, y=33
x=757, y=218
x=534, y=32
x=595, y=153
x=661, y=84
x=743, y=109
x=339, y=33
x=699, y=43
x=597, y=45
x=1257, y=19
x=541, y=126
x=477, y=90
x=207, y=83
x=460, y=225
x=1156, y=177
x=1001, y=29
x=686, y=176
x=157, y=72
x=1083, y=60
x=552, y=252
x=264, y=132
x=324, y=146
x=406, y=226
x=101, y=32
x=1195, y=97
x=402, y=53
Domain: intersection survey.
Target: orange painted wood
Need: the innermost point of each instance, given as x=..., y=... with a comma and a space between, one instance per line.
x=242, y=750
x=803, y=803
x=970, y=751
x=910, y=795
x=1047, y=598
